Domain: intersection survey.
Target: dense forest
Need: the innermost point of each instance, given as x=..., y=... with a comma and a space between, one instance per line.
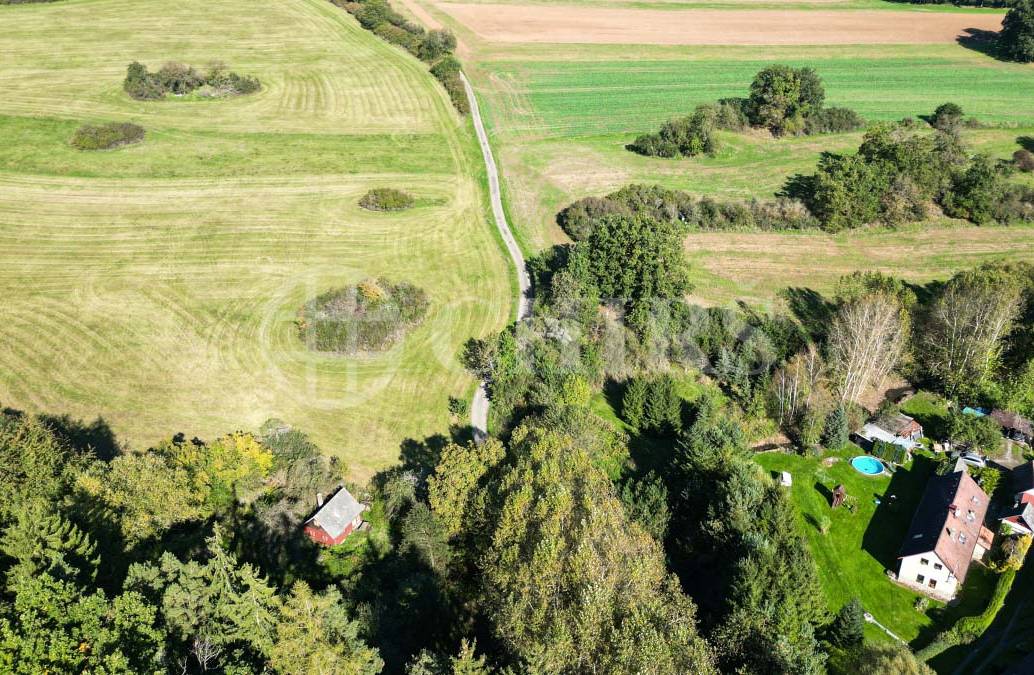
x=566, y=543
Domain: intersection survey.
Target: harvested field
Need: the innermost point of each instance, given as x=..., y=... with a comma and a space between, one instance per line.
x=593, y=25
x=158, y=286
x=756, y=266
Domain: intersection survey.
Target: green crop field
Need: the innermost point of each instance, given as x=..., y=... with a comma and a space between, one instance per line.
x=561, y=114
x=157, y=285
x=561, y=125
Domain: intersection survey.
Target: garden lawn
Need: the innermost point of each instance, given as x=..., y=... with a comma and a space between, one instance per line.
x=157, y=285
x=853, y=555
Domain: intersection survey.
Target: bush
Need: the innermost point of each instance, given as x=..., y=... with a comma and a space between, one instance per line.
x=106, y=136
x=847, y=191
x=398, y=36
x=682, y=208
x=833, y=121
x=946, y=117
x=447, y=71
x=370, y=316
x=731, y=114
x=782, y=97
x=578, y=218
x=976, y=192
x=682, y=137
x=179, y=79
x=436, y=44
x=1016, y=39
x=1024, y=160
x=386, y=199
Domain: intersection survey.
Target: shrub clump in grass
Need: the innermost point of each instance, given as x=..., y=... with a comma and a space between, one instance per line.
x=370, y=316
x=179, y=79
x=106, y=136
x=386, y=199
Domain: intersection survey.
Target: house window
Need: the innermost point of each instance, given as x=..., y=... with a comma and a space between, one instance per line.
x=920, y=579
x=938, y=566
x=933, y=583
x=924, y=561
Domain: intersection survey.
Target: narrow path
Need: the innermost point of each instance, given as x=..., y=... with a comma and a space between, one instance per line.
x=479, y=407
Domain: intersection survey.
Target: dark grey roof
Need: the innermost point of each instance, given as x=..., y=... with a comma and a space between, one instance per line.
x=1023, y=476
x=936, y=527
x=337, y=513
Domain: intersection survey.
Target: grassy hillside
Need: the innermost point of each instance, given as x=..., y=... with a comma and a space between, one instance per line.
x=157, y=285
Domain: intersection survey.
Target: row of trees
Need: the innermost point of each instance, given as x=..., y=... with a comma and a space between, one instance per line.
x=900, y=174
x=433, y=47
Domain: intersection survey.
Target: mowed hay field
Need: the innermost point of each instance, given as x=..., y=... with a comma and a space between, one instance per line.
x=157, y=285
x=561, y=114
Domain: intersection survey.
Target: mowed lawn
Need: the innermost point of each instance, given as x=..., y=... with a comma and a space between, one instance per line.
x=861, y=544
x=157, y=285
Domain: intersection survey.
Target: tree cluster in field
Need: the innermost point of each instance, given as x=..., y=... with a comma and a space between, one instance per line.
x=901, y=173
x=178, y=79
x=1016, y=39
x=386, y=199
x=106, y=136
x=370, y=316
x=433, y=47
x=784, y=100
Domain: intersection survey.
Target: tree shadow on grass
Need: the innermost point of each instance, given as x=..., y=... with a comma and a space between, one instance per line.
x=1026, y=142
x=95, y=438
x=890, y=522
x=979, y=40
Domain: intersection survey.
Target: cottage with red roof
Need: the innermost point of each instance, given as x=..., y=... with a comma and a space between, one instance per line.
x=946, y=535
x=336, y=519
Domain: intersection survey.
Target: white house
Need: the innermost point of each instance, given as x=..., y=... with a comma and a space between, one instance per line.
x=1020, y=519
x=946, y=535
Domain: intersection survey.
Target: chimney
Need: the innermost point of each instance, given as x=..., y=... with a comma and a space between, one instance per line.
x=319, y=499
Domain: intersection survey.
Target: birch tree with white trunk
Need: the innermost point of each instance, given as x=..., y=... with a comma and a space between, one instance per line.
x=866, y=341
x=965, y=326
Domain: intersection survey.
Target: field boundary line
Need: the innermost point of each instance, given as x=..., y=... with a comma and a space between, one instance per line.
x=479, y=406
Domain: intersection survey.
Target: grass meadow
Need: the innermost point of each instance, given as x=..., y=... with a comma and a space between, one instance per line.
x=561, y=114
x=157, y=285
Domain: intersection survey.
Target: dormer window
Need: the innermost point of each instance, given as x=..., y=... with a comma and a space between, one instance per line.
x=970, y=515
x=962, y=539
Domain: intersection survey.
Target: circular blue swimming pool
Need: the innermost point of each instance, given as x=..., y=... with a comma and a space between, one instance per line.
x=870, y=466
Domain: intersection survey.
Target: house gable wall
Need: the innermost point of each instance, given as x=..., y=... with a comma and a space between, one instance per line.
x=913, y=566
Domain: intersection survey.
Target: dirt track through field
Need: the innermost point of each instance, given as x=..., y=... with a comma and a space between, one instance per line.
x=593, y=25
